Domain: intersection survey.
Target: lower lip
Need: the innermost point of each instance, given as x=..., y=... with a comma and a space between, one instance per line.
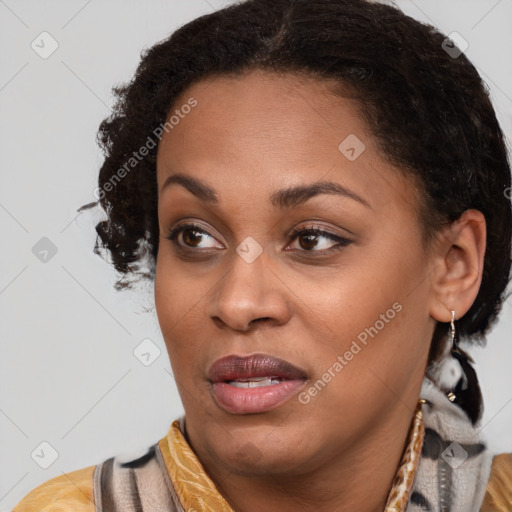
x=254, y=400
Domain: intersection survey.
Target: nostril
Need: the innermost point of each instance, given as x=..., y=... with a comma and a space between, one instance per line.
x=253, y=322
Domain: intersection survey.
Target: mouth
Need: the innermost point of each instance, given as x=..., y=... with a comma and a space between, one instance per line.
x=254, y=384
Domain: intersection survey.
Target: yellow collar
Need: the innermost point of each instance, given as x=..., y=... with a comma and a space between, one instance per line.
x=196, y=491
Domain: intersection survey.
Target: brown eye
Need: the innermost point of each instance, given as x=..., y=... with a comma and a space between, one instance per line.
x=310, y=240
x=192, y=236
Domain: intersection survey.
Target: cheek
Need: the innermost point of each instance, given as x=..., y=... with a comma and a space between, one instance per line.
x=180, y=302
x=178, y=289
x=373, y=316
x=165, y=296
x=370, y=365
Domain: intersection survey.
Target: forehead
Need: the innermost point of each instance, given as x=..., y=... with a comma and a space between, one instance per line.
x=264, y=130
x=267, y=108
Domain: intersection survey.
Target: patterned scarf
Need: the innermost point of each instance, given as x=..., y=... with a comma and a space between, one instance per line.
x=455, y=464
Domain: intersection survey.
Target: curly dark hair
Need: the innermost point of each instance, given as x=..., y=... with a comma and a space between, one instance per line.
x=426, y=106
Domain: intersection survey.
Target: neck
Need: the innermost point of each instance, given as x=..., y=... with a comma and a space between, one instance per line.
x=357, y=478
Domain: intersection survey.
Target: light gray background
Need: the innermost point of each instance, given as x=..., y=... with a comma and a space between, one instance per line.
x=68, y=373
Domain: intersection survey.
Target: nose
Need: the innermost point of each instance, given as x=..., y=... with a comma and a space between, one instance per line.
x=249, y=294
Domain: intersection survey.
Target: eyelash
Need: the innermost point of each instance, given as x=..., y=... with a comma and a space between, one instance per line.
x=342, y=242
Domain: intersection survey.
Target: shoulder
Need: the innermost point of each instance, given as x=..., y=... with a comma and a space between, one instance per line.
x=71, y=492
x=498, y=495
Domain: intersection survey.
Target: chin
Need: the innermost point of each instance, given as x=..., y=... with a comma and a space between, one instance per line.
x=264, y=451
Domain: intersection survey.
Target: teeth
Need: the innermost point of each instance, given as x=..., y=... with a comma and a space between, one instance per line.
x=255, y=383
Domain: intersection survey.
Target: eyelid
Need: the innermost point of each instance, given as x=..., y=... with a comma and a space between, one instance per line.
x=316, y=225
x=184, y=224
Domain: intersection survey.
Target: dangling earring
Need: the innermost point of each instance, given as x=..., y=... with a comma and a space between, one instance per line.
x=454, y=376
x=454, y=336
x=446, y=371
x=454, y=348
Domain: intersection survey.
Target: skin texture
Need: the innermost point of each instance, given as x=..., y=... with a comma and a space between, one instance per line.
x=247, y=137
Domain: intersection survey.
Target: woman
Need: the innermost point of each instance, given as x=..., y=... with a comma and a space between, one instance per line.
x=319, y=191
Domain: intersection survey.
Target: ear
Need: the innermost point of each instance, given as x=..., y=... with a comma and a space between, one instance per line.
x=458, y=265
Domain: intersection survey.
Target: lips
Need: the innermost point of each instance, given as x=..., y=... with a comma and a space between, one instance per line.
x=255, y=383
x=254, y=366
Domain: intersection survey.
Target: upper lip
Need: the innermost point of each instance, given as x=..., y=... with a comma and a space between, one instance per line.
x=234, y=367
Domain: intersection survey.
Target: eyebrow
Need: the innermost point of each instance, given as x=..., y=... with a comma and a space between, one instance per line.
x=289, y=197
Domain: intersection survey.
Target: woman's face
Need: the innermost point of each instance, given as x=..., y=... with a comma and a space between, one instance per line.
x=260, y=158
